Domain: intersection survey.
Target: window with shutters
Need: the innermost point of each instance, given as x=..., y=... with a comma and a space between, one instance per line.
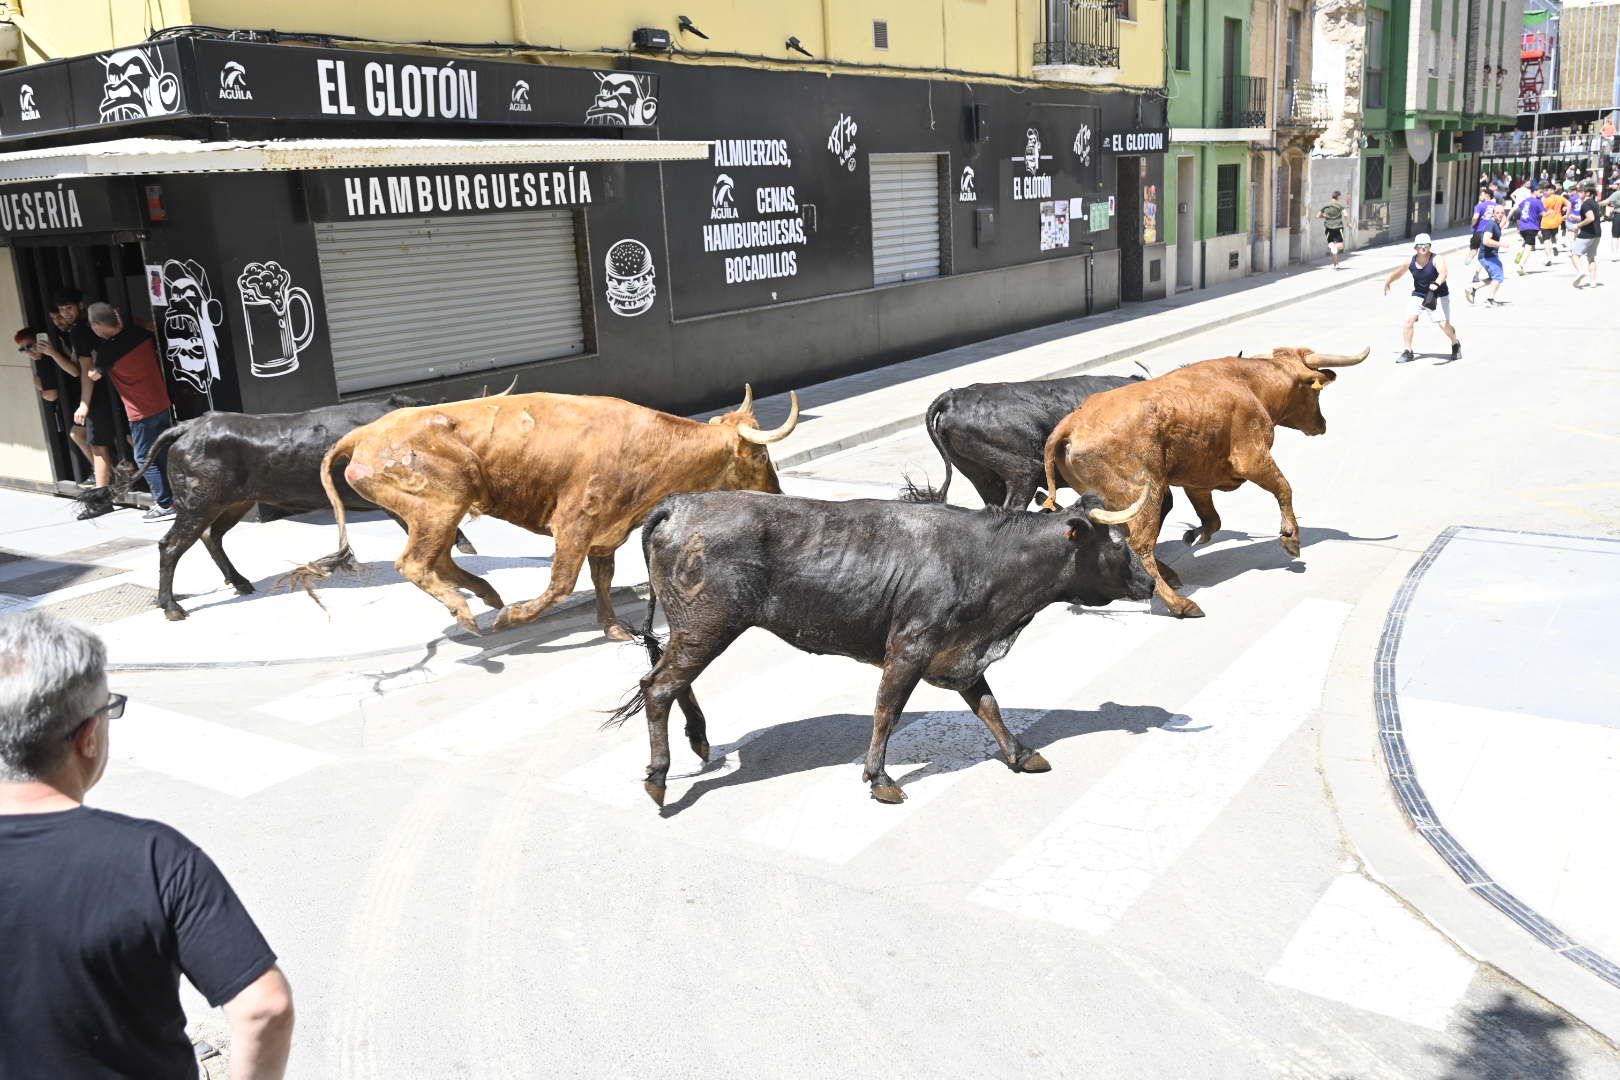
x=410, y=300
x=1184, y=35
x=905, y=216
x=1372, y=186
x=1226, y=196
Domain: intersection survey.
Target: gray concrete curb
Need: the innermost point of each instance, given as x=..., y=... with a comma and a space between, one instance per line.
x=916, y=408
x=1392, y=852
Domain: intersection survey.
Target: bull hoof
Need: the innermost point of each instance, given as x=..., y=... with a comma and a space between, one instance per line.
x=471, y=626
x=1187, y=610
x=244, y=589
x=888, y=793
x=700, y=747
x=655, y=790
x=174, y=614
x=618, y=632
x=505, y=619
x=1196, y=538
x=1290, y=544
x=1033, y=762
x=465, y=547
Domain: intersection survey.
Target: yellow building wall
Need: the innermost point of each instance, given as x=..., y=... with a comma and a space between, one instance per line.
x=985, y=37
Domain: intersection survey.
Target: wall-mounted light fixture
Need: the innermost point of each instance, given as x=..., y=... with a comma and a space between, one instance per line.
x=688, y=26
x=794, y=44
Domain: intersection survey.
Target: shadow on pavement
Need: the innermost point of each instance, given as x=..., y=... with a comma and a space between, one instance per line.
x=1200, y=571
x=370, y=574
x=1510, y=1039
x=840, y=739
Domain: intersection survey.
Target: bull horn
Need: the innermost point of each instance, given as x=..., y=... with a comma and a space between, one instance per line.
x=748, y=399
x=752, y=434
x=1327, y=360
x=1120, y=517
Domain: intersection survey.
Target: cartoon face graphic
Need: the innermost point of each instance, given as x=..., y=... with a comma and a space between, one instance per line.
x=630, y=285
x=190, y=341
x=136, y=86
x=1032, y=150
x=622, y=100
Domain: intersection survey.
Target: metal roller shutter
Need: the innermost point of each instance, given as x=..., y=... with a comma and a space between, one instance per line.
x=425, y=298
x=905, y=216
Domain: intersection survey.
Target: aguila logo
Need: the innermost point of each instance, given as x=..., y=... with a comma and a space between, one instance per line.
x=520, y=97
x=967, y=192
x=233, y=82
x=724, y=199
x=25, y=99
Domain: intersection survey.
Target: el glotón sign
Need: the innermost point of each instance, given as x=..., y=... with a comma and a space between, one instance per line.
x=205, y=77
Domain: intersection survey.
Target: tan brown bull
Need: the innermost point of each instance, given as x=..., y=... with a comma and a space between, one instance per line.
x=1206, y=427
x=585, y=470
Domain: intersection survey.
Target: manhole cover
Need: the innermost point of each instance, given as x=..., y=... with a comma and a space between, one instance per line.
x=105, y=605
x=57, y=575
x=115, y=546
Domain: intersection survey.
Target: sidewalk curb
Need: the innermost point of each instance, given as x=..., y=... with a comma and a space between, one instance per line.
x=915, y=412
x=1392, y=853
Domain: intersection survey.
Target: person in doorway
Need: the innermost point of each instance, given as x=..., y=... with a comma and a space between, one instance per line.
x=1552, y=220
x=128, y=356
x=1529, y=216
x=1490, y=259
x=1430, y=295
x=94, y=411
x=1332, y=218
x=56, y=377
x=101, y=913
x=1588, y=231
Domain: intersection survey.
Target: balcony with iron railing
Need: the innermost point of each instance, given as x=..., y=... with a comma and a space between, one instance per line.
x=1081, y=33
x=1242, y=102
x=1302, y=105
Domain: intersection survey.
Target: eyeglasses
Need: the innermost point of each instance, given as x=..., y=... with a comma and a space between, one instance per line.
x=1421, y=247
x=112, y=711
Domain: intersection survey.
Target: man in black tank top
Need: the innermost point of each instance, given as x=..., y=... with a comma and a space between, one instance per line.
x=1430, y=295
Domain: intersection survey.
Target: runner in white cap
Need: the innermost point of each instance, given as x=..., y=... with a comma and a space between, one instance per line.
x=1429, y=294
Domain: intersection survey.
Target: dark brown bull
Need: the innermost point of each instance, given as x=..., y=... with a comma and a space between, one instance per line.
x=585, y=470
x=1206, y=427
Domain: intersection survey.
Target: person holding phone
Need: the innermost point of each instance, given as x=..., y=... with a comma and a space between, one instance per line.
x=62, y=392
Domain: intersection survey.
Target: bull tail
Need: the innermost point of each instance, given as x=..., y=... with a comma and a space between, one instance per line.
x=911, y=491
x=343, y=558
x=1054, y=446
x=124, y=478
x=655, y=648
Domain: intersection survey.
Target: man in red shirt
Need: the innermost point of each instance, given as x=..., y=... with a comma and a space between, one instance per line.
x=128, y=356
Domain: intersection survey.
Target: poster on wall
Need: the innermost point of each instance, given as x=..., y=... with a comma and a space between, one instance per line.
x=1150, y=214
x=1054, y=224
x=1100, y=215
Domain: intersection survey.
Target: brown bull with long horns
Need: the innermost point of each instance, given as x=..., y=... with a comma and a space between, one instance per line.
x=585, y=470
x=1206, y=427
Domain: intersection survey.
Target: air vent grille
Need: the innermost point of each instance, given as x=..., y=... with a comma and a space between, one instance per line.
x=880, y=33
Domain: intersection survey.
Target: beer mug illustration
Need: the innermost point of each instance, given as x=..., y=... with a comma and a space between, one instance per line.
x=268, y=298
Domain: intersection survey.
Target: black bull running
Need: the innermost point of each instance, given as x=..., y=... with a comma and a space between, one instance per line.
x=995, y=434
x=927, y=593
x=221, y=463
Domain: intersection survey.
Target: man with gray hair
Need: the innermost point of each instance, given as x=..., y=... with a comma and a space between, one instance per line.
x=100, y=913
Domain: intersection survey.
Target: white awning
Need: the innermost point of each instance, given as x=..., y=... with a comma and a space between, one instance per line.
x=143, y=157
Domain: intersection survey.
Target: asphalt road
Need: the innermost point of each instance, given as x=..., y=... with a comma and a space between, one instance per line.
x=463, y=877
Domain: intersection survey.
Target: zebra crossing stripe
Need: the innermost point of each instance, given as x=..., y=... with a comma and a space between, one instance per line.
x=834, y=821
x=211, y=755
x=1096, y=859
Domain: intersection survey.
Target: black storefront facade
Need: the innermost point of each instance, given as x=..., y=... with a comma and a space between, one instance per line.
x=322, y=224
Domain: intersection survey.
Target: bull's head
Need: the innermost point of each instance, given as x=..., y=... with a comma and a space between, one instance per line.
x=1105, y=567
x=751, y=468
x=1309, y=371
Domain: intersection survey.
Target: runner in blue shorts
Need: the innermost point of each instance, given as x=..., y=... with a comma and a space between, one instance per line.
x=1490, y=258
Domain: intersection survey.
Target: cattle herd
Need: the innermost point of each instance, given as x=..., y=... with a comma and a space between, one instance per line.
x=925, y=591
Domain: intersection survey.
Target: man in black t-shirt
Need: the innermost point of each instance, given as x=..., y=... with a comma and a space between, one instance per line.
x=1588, y=231
x=100, y=914
x=99, y=430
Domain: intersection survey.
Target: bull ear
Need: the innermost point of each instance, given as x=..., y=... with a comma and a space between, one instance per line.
x=1078, y=528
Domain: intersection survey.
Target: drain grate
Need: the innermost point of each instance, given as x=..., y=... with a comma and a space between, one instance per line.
x=105, y=605
x=115, y=546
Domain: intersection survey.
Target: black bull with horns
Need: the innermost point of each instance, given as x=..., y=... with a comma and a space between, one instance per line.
x=221, y=463
x=926, y=592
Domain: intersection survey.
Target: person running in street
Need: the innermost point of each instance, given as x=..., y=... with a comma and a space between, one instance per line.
x=1588, y=231
x=1483, y=209
x=1490, y=259
x=1552, y=220
x=1332, y=218
x=1429, y=294
x=101, y=913
x=1529, y=213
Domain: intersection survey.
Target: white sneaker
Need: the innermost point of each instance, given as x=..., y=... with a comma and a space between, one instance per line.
x=158, y=513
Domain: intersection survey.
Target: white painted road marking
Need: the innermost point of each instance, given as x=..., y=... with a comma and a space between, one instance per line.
x=834, y=822
x=1099, y=857
x=1359, y=946
x=211, y=755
